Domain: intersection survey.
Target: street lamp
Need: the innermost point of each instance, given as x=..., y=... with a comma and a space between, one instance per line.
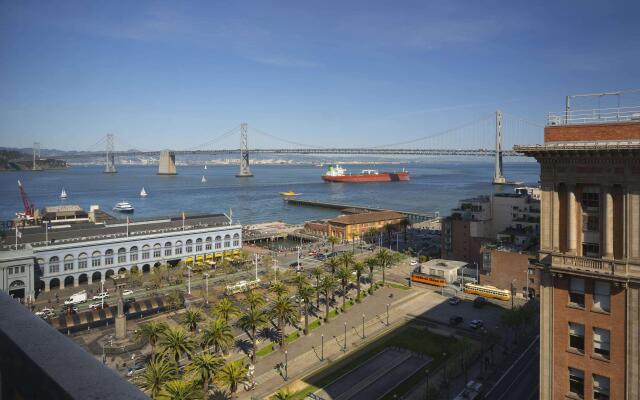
x=206, y=286
x=477, y=273
x=426, y=391
x=286, y=366
x=188, y=279
x=322, y=347
x=363, y=335
x=344, y=348
x=387, y=314
x=512, y=292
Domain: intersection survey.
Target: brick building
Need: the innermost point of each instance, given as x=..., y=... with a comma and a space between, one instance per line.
x=355, y=226
x=590, y=255
x=504, y=267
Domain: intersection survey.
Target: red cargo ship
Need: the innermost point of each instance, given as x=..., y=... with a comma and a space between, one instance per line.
x=339, y=174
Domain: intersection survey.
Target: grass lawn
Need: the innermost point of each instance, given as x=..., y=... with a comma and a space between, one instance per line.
x=315, y=324
x=408, y=337
x=397, y=286
x=291, y=337
x=265, y=350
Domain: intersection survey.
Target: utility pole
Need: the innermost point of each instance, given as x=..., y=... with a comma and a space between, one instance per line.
x=245, y=172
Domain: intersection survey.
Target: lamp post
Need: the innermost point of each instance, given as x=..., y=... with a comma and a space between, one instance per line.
x=387, y=314
x=477, y=273
x=322, y=347
x=344, y=347
x=102, y=294
x=286, y=366
x=527, y=281
x=512, y=292
x=188, y=279
x=426, y=391
x=363, y=335
x=206, y=288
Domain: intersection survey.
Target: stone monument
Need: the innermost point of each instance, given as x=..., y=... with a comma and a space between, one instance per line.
x=120, y=281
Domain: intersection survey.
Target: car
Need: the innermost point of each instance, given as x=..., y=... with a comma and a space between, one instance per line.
x=127, y=292
x=321, y=257
x=413, y=263
x=332, y=254
x=455, y=320
x=479, y=302
x=130, y=300
x=100, y=296
x=476, y=324
x=454, y=301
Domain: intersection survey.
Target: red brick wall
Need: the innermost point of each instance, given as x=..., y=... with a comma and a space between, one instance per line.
x=615, y=321
x=464, y=246
x=591, y=132
x=507, y=266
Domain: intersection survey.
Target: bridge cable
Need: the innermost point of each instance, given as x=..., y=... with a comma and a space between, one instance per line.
x=286, y=140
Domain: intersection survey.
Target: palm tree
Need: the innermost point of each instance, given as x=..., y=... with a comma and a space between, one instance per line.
x=300, y=280
x=225, y=309
x=328, y=285
x=178, y=389
x=284, y=311
x=343, y=275
x=254, y=299
x=282, y=394
x=371, y=262
x=252, y=320
x=333, y=241
x=219, y=394
x=218, y=334
x=305, y=294
x=151, y=331
x=371, y=232
x=192, y=318
x=158, y=371
x=317, y=273
x=385, y=258
x=333, y=263
x=347, y=258
x=203, y=368
x=176, y=342
x=278, y=288
x=358, y=267
x=232, y=375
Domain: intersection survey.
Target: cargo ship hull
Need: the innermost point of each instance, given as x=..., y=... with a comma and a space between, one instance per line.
x=362, y=178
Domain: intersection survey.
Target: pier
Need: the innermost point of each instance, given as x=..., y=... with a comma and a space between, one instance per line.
x=414, y=217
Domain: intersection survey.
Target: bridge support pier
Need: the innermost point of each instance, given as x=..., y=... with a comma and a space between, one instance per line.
x=110, y=165
x=245, y=172
x=167, y=163
x=498, y=178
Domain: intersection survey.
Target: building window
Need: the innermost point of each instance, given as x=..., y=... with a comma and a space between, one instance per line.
x=145, y=252
x=600, y=387
x=54, y=264
x=590, y=200
x=108, y=257
x=198, y=245
x=122, y=256
x=68, y=264
x=576, y=382
x=227, y=241
x=236, y=240
x=133, y=253
x=95, y=259
x=82, y=261
x=601, y=342
x=189, y=248
x=576, y=336
x=157, y=253
x=602, y=295
x=22, y=269
x=178, y=247
x=10, y=270
x=207, y=244
x=591, y=249
x=590, y=223
x=167, y=249
x=576, y=291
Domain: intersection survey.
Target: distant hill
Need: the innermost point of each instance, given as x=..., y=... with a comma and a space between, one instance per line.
x=15, y=160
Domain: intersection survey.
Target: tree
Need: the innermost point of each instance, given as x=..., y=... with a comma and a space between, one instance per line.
x=252, y=320
x=232, y=375
x=347, y=258
x=328, y=285
x=305, y=294
x=343, y=275
x=179, y=389
x=254, y=299
x=192, y=317
x=283, y=394
x=333, y=241
x=333, y=263
x=176, y=342
x=317, y=273
x=278, y=289
x=175, y=300
x=404, y=224
x=218, y=334
x=371, y=262
x=388, y=228
x=225, y=309
x=151, y=331
x=300, y=280
x=284, y=311
x=220, y=395
x=385, y=258
x=358, y=267
x=158, y=371
x=371, y=233
x=203, y=368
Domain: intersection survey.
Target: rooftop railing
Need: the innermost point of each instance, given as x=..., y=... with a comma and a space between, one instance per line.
x=595, y=116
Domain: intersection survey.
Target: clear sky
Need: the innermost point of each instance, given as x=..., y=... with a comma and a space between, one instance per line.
x=346, y=73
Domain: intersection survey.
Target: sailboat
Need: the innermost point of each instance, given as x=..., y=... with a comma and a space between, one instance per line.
x=205, y=166
x=63, y=194
x=143, y=193
x=203, y=180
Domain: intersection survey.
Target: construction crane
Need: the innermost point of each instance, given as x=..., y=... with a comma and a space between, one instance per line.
x=29, y=209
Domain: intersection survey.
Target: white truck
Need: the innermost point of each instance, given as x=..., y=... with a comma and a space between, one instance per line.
x=76, y=298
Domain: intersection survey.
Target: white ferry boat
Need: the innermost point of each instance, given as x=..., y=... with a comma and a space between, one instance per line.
x=123, y=207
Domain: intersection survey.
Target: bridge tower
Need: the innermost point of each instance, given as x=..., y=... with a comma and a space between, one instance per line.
x=167, y=163
x=110, y=166
x=498, y=178
x=36, y=156
x=245, y=172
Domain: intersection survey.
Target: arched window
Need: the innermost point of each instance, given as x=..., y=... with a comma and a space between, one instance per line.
x=16, y=284
x=82, y=260
x=227, y=241
x=178, y=247
x=68, y=262
x=157, y=252
x=122, y=255
x=54, y=265
x=198, y=245
x=96, y=259
x=236, y=240
x=189, y=248
x=108, y=257
x=207, y=245
x=167, y=249
x=218, y=242
x=133, y=253
x=145, y=252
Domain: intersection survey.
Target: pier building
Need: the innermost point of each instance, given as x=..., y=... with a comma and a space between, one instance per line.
x=75, y=254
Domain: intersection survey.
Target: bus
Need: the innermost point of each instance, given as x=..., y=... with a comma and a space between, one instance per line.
x=491, y=292
x=428, y=279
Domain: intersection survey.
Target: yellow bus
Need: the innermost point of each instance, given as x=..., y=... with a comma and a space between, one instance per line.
x=487, y=291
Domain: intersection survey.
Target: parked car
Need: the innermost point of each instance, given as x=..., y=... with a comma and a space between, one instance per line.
x=455, y=320
x=479, y=302
x=100, y=296
x=454, y=301
x=413, y=263
x=321, y=257
x=476, y=324
x=127, y=292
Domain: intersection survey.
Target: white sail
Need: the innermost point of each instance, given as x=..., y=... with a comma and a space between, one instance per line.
x=143, y=193
x=205, y=166
x=63, y=194
x=203, y=179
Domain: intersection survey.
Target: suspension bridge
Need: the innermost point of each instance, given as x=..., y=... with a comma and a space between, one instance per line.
x=492, y=135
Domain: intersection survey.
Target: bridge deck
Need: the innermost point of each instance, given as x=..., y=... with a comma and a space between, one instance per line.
x=413, y=216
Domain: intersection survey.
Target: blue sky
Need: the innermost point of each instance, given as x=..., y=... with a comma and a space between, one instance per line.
x=358, y=73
